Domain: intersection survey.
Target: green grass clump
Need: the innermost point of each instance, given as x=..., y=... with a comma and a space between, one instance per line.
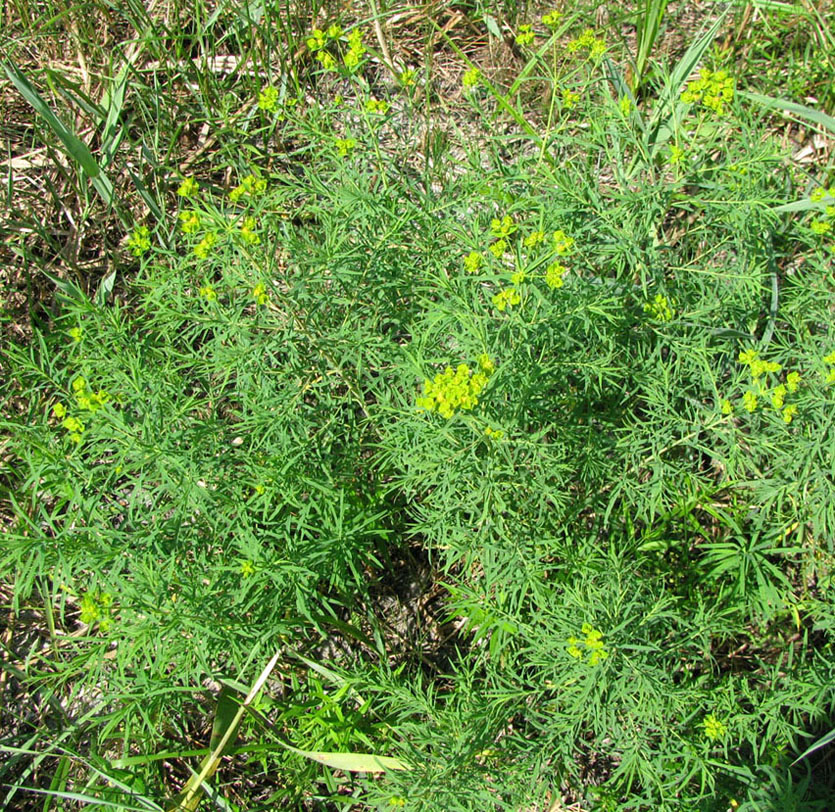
x=582, y=377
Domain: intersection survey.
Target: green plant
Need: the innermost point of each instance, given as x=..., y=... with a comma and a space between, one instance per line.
x=503, y=480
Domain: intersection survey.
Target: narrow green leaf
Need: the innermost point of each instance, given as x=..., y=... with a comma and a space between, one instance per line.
x=76, y=148
x=821, y=742
x=808, y=113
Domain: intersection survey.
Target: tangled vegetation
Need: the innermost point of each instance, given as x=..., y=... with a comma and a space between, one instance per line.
x=445, y=427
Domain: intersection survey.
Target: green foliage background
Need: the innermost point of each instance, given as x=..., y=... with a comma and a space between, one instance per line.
x=257, y=470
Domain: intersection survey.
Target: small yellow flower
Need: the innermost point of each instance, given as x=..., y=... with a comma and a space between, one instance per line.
x=554, y=275
x=376, y=106
x=829, y=359
x=471, y=78
x=820, y=227
x=75, y=333
x=487, y=366
x=498, y=248
x=778, y=396
x=517, y=278
x=525, y=36
x=407, y=78
x=713, y=727
x=551, y=19
x=563, y=244
x=188, y=188
x=248, y=234
x=208, y=293
x=789, y=412
x=473, y=262
x=140, y=241
x=59, y=410
x=574, y=649
x=569, y=98
x=327, y=61
x=268, y=99
x=317, y=40
x=344, y=146
x=259, y=293
x=506, y=298
x=676, y=154
x=534, y=239
x=749, y=401
x=334, y=31
x=597, y=49
x=202, y=249
x=501, y=229
x=189, y=222
x=793, y=381
x=659, y=308
x=73, y=424
x=625, y=106
x=247, y=569
x=249, y=186
x=727, y=407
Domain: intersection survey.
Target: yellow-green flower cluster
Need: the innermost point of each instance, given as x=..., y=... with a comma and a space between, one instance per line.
x=554, y=275
x=713, y=727
x=189, y=222
x=259, y=293
x=250, y=186
x=376, y=106
x=501, y=229
x=591, y=645
x=473, y=262
x=659, y=308
x=587, y=41
x=140, y=241
x=86, y=400
x=248, y=234
x=506, y=298
x=563, y=244
x=204, y=247
x=75, y=333
x=493, y=434
x=317, y=43
x=345, y=146
x=759, y=370
x=356, y=50
x=96, y=608
x=407, y=78
x=72, y=425
x=570, y=99
x=525, y=35
x=268, y=99
x=471, y=79
x=552, y=18
x=820, y=226
x=456, y=389
x=534, y=238
x=712, y=90
x=208, y=293
x=830, y=360
x=188, y=188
